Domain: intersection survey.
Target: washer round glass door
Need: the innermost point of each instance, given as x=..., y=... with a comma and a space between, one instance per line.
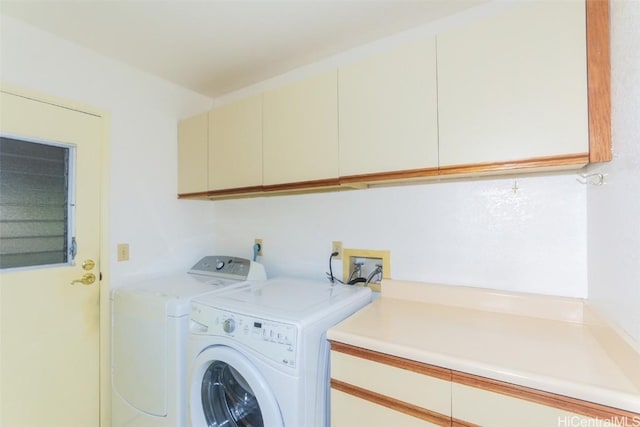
x=227, y=399
x=227, y=390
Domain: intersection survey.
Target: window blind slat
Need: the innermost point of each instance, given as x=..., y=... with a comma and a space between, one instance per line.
x=33, y=213
x=32, y=259
x=26, y=229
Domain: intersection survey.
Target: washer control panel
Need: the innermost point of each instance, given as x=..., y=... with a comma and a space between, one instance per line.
x=229, y=267
x=274, y=340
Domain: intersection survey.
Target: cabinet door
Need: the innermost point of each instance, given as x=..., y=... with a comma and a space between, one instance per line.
x=235, y=145
x=486, y=408
x=388, y=111
x=301, y=131
x=192, y=154
x=514, y=86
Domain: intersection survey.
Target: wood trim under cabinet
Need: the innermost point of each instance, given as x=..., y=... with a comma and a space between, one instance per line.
x=558, y=162
x=565, y=403
x=460, y=423
x=395, y=361
x=391, y=403
x=599, y=80
x=226, y=193
x=198, y=195
x=301, y=185
x=266, y=190
x=390, y=176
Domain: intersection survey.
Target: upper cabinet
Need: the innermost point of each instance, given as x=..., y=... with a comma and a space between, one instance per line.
x=388, y=112
x=235, y=145
x=525, y=87
x=193, y=140
x=300, y=131
x=514, y=88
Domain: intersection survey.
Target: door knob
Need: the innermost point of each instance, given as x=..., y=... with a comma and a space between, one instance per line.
x=86, y=279
x=88, y=264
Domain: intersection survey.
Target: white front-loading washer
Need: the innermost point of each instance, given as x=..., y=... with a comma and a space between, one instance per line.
x=258, y=353
x=149, y=334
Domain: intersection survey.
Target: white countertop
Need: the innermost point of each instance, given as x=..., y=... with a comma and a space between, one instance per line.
x=548, y=354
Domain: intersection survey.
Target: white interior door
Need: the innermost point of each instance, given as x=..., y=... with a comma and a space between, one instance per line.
x=49, y=328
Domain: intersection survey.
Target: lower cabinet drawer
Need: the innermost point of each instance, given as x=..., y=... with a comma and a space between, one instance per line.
x=487, y=408
x=403, y=384
x=385, y=387
x=349, y=411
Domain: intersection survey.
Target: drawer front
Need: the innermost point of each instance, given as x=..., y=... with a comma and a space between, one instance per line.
x=348, y=411
x=487, y=408
x=417, y=389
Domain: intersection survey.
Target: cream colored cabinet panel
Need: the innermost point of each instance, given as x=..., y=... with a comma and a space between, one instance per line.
x=514, y=86
x=427, y=392
x=487, y=408
x=235, y=145
x=301, y=131
x=388, y=111
x=192, y=154
x=350, y=411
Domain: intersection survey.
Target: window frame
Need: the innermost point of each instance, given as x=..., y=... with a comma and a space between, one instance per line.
x=70, y=205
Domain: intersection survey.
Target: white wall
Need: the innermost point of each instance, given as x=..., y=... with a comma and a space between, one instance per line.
x=614, y=209
x=165, y=234
x=477, y=233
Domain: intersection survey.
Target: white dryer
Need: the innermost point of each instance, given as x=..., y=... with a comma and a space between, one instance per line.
x=149, y=335
x=259, y=355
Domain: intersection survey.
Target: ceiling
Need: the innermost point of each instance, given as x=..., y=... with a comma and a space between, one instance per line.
x=215, y=47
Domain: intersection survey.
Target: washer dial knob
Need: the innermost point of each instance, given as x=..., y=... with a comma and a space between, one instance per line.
x=219, y=265
x=229, y=325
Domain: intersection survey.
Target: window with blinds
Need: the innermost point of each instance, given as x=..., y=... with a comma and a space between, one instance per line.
x=34, y=203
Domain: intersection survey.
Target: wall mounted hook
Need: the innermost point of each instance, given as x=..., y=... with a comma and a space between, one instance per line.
x=592, y=179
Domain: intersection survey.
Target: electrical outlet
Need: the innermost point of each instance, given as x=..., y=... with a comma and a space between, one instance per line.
x=336, y=246
x=123, y=252
x=259, y=242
